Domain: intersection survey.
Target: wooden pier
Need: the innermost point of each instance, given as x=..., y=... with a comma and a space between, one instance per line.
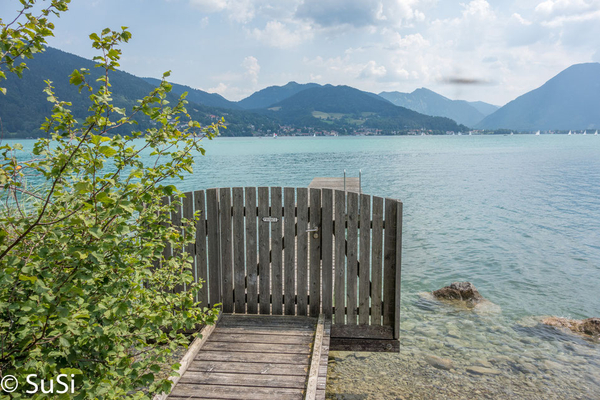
x=297, y=272
x=258, y=357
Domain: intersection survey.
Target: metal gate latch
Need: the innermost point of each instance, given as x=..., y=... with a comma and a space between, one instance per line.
x=315, y=230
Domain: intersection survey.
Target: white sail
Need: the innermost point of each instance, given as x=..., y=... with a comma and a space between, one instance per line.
x=569, y=133
x=585, y=132
x=596, y=134
x=537, y=133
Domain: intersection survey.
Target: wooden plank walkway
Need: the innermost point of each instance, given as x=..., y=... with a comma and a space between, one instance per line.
x=259, y=357
x=352, y=184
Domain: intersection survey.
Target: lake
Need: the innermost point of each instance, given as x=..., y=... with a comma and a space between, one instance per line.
x=518, y=216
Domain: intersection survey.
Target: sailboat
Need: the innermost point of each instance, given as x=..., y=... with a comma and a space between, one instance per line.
x=569, y=133
x=511, y=134
x=596, y=134
x=537, y=133
x=585, y=132
x=274, y=136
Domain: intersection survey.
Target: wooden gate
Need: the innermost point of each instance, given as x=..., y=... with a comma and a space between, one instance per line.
x=288, y=251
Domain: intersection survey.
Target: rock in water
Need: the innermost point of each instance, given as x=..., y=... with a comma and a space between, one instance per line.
x=438, y=362
x=464, y=291
x=590, y=326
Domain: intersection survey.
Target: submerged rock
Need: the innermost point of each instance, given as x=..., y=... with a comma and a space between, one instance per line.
x=483, y=371
x=590, y=326
x=464, y=291
x=438, y=362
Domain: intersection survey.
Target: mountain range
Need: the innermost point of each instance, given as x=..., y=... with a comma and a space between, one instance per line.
x=24, y=107
x=428, y=102
x=570, y=100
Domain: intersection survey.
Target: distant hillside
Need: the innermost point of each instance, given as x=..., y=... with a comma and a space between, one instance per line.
x=428, y=102
x=570, y=100
x=484, y=108
x=273, y=94
x=198, y=96
x=343, y=106
x=24, y=107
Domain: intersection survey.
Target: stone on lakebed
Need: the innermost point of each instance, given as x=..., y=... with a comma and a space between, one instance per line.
x=590, y=326
x=464, y=291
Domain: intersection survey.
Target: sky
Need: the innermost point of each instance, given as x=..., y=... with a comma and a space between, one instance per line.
x=235, y=47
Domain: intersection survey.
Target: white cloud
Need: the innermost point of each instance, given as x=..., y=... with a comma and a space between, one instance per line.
x=277, y=34
x=567, y=7
x=209, y=6
x=252, y=67
x=372, y=70
x=238, y=10
x=360, y=13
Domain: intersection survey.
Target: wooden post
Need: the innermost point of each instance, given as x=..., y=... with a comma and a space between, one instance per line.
x=302, y=260
x=327, y=251
x=352, y=254
x=201, y=271
x=214, y=261
x=364, y=284
x=263, y=251
x=251, y=251
x=315, y=252
x=290, y=251
x=340, y=257
x=239, y=270
x=377, y=249
x=276, y=251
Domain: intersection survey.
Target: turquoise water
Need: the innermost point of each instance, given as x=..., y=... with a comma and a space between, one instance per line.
x=519, y=216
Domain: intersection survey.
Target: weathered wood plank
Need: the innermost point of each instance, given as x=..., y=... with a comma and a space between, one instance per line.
x=249, y=357
x=176, y=220
x=263, y=348
x=264, y=273
x=398, y=271
x=239, y=270
x=313, y=373
x=389, y=262
x=352, y=183
x=226, y=249
x=201, y=265
x=302, y=257
x=352, y=253
x=261, y=325
x=273, y=332
x=340, y=257
x=256, y=380
x=377, y=251
x=315, y=252
x=188, y=214
x=214, y=264
x=364, y=282
x=276, y=252
x=248, y=368
x=383, y=346
x=290, y=251
x=251, y=252
x=268, y=319
x=191, y=391
x=327, y=251
x=250, y=337
x=362, y=332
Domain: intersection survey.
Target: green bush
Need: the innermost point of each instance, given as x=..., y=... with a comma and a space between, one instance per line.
x=84, y=287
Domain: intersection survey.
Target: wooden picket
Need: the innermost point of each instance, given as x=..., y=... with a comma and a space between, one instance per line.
x=299, y=252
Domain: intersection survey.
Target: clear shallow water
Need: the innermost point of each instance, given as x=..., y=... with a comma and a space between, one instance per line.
x=519, y=216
